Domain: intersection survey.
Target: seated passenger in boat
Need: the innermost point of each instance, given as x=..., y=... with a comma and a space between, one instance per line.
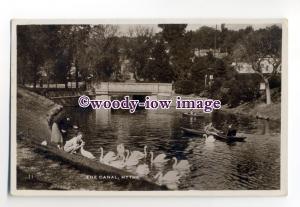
x=192, y=112
x=231, y=132
x=74, y=144
x=210, y=129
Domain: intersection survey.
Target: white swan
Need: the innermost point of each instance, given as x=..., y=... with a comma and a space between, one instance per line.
x=170, y=177
x=119, y=163
x=161, y=158
x=86, y=153
x=181, y=165
x=44, y=143
x=120, y=150
x=140, y=155
x=110, y=156
x=131, y=160
x=209, y=138
x=142, y=170
x=75, y=127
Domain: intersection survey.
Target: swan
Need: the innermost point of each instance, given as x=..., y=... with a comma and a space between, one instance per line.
x=161, y=158
x=131, y=160
x=140, y=155
x=120, y=150
x=44, y=143
x=209, y=138
x=170, y=177
x=142, y=170
x=119, y=163
x=181, y=165
x=86, y=153
x=110, y=156
x=75, y=127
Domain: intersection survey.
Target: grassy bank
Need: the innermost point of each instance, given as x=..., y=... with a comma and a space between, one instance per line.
x=257, y=109
x=34, y=114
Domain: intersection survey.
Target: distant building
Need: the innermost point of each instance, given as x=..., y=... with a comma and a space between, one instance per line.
x=246, y=68
x=216, y=53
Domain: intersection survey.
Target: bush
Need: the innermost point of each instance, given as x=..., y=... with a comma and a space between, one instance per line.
x=184, y=87
x=275, y=82
x=239, y=91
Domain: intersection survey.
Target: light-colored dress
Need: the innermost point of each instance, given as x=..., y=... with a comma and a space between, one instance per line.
x=71, y=144
x=56, y=136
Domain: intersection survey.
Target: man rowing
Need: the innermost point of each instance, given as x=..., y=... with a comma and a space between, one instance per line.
x=231, y=132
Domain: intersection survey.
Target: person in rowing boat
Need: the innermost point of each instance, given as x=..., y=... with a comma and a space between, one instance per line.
x=191, y=112
x=231, y=132
x=208, y=129
x=74, y=144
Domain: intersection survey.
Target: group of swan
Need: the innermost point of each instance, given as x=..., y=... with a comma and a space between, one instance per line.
x=125, y=158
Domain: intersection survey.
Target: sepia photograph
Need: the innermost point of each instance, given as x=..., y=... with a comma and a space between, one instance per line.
x=156, y=107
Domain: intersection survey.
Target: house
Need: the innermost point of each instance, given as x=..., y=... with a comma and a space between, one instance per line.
x=265, y=63
x=245, y=69
x=216, y=52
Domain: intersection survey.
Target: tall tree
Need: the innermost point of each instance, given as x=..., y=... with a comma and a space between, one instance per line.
x=73, y=38
x=35, y=44
x=259, y=47
x=138, y=50
x=103, y=52
x=159, y=65
x=179, y=50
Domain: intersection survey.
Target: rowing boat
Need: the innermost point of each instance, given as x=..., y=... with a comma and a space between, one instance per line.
x=218, y=136
x=192, y=131
x=193, y=115
x=223, y=137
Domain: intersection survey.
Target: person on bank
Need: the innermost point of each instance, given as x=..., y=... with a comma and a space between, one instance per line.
x=74, y=144
x=64, y=124
x=56, y=136
x=210, y=129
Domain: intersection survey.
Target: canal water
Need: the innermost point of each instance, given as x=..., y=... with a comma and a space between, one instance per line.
x=215, y=165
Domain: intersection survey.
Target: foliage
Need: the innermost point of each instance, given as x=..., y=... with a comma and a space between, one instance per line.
x=100, y=51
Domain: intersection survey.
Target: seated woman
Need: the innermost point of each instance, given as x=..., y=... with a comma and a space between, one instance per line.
x=210, y=129
x=74, y=144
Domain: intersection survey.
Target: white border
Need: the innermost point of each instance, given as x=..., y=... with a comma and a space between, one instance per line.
x=283, y=166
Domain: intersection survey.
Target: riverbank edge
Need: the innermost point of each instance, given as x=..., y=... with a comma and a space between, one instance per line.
x=30, y=124
x=51, y=113
x=256, y=110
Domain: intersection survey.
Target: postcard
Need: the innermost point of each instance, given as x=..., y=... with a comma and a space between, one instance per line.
x=180, y=107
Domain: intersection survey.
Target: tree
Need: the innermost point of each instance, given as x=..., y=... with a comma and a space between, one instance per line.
x=179, y=48
x=159, y=67
x=103, y=52
x=72, y=38
x=262, y=46
x=35, y=44
x=138, y=49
